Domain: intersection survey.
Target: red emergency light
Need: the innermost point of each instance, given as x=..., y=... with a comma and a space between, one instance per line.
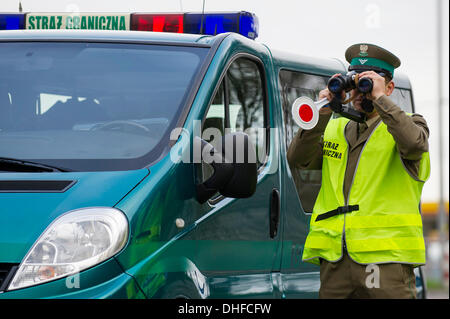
x=157, y=22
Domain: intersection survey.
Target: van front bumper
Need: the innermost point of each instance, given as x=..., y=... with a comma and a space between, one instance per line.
x=106, y=280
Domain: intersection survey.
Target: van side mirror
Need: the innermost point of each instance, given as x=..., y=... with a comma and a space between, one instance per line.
x=235, y=169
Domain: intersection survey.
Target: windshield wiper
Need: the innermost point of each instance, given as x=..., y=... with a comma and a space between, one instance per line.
x=18, y=165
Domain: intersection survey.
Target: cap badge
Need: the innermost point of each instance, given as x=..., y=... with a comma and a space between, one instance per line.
x=362, y=61
x=363, y=50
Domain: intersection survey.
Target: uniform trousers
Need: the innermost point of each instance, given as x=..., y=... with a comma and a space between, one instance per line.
x=348, y=279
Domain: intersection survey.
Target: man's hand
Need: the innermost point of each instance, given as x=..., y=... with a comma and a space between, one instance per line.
x=379, y=84
x=325, y=93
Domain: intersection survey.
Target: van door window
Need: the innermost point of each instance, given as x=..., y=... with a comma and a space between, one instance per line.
x=246, y=104
x=213, y=125
x=294, y=85
x=238, y=106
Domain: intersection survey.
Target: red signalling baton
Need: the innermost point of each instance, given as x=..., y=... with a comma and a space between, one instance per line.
x=305, y=111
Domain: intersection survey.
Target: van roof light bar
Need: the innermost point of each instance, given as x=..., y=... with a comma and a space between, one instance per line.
x=211, y=23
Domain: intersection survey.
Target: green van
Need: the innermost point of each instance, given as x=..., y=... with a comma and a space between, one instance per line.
x=103, y=193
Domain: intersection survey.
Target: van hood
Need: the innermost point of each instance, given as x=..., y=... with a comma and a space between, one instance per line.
x=29, y=202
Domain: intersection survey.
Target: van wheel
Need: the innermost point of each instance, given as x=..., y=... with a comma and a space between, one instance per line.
x=178, y=290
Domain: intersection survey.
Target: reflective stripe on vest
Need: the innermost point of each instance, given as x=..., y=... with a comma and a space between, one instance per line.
x=388, y=226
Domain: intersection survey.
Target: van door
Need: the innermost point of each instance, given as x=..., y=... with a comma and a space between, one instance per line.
x=239, y=246
x=299, y=279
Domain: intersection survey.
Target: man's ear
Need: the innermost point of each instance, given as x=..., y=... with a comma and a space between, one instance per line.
x=390, y=88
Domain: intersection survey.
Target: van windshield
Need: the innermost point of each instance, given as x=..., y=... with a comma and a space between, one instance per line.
x=92, y=106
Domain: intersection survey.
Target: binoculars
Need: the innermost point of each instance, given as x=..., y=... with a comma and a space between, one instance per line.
x=349, y=82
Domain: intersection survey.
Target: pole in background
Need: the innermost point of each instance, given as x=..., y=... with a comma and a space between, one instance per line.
x=442, y=217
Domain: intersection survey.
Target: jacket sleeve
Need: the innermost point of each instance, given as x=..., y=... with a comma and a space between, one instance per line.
x=409, y=132
x=305, y=150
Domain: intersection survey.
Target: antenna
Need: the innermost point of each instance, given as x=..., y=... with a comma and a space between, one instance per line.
x=203, y=14
x=20, y=6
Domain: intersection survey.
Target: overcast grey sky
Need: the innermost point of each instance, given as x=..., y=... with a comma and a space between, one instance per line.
x=326, y=28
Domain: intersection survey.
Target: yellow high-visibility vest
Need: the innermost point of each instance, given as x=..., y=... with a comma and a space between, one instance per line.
x=382, y=222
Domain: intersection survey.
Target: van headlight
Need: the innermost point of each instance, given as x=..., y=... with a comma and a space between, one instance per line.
x=73, y=242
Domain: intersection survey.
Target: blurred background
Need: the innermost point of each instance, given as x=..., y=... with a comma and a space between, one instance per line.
x=414, y=30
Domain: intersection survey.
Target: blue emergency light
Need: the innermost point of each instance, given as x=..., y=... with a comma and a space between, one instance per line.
x=12, y=21
x=244, y=23
x=211, y=23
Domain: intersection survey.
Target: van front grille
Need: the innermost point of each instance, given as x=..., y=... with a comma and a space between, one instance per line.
x=7, y=270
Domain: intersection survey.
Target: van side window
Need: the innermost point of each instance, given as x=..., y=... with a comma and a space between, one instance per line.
x=239, y=106
x=402, y=98
x=293, y=85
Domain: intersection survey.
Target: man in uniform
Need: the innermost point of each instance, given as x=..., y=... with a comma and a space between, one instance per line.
x=366, y=229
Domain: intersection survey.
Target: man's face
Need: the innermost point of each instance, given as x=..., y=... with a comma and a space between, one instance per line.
x=357, y=100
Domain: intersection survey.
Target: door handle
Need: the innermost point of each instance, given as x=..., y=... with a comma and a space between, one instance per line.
x=274, y=214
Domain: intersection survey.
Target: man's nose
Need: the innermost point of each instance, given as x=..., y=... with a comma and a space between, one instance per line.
x=356, y=94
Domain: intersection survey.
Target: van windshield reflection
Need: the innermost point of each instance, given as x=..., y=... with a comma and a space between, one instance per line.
x=92, y=106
